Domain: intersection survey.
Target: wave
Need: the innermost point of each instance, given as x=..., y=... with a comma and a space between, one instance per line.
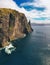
x=9, y=48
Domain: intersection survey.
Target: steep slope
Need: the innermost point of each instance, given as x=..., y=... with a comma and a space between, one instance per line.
x=13, y=25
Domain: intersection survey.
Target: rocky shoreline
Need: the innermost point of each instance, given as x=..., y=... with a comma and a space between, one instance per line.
x=13, y=25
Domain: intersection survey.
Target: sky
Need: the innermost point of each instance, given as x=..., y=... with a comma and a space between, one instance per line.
x=37, y=11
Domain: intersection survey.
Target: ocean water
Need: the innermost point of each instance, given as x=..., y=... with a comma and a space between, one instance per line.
x=34, y=49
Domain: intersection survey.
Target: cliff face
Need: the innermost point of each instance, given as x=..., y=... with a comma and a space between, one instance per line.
x=13, y=25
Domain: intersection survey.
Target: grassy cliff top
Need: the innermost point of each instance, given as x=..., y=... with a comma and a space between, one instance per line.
x=5, y=11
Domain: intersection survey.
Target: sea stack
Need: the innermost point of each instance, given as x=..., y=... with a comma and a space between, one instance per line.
x=13, y=25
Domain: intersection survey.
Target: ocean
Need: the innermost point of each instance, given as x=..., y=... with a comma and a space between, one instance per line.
x=34, y=49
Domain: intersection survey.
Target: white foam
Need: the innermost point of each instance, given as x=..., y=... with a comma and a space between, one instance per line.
x=9, y=49
x=24, y=35
x=48, y=45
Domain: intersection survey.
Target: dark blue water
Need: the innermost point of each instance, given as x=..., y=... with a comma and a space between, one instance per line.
x=34, y=49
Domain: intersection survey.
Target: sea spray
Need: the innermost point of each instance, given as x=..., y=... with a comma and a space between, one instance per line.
x=8, y=49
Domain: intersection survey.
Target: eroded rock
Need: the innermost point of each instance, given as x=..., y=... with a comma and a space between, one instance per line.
x=13, y=25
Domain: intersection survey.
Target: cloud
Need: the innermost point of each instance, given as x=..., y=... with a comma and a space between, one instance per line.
x=11, y=4
x=41, y=21
x=36, y=13
x=32, y=14
x=8, y=4
x=32, y=4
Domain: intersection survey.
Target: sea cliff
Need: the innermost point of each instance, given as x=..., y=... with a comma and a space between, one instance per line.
x=13, y=25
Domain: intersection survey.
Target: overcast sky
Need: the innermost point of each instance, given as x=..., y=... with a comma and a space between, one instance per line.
x=38, y=11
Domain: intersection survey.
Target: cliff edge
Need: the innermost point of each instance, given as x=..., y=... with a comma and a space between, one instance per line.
x=13, y=25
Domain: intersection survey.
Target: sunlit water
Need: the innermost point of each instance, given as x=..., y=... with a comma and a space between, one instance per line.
x=34, y=49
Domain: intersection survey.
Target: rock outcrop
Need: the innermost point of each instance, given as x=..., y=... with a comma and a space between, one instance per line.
x=13, y=25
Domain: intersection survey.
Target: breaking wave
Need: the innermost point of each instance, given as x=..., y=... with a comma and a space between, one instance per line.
x=8, y=49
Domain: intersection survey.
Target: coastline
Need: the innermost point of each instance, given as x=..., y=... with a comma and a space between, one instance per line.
x=10, y=48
